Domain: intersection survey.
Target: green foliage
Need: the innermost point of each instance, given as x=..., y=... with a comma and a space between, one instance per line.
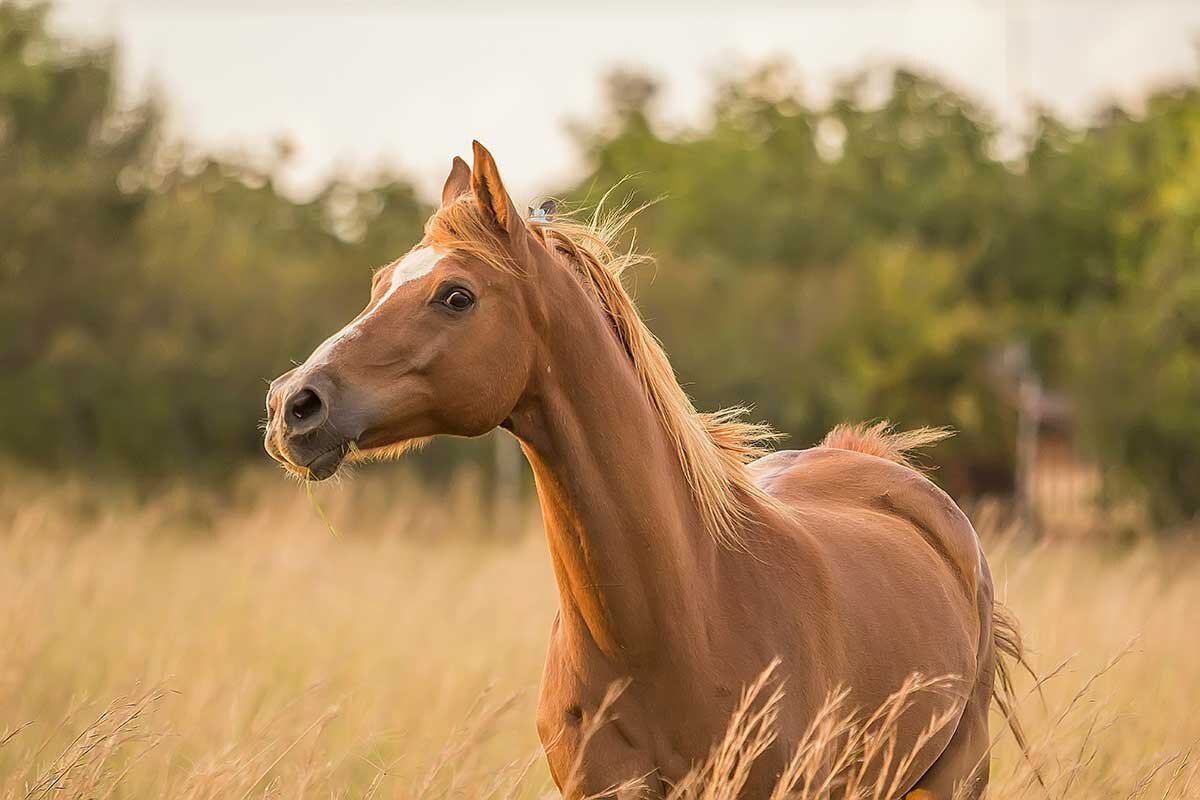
x=1136, y=365
x=866, y=258
x=148, y=295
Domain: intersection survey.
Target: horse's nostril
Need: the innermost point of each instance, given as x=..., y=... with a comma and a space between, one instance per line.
x=304, y=404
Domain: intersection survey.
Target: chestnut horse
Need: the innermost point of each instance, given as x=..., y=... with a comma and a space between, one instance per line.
x=686, y=558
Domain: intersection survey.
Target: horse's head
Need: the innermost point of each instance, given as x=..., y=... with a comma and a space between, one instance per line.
x=443, y=347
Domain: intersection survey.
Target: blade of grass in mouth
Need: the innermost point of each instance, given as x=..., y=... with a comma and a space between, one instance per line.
x=312, y=498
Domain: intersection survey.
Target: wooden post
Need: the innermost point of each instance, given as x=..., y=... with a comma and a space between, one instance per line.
x=506, y=492
x=1029, y=421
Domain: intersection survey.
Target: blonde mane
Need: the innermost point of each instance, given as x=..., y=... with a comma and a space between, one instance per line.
x=713, y=448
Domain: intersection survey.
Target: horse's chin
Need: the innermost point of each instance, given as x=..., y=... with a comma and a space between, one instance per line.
x=385, y=452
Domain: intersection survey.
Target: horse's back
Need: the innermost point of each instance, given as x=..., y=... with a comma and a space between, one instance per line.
x=845, y=498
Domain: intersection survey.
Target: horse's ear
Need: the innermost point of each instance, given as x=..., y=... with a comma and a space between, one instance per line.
x=490, y=193
x=458, y=182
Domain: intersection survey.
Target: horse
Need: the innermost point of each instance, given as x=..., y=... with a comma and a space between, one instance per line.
x=687, y=557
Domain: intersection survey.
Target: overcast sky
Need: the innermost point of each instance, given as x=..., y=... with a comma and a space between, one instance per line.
x=357, y=83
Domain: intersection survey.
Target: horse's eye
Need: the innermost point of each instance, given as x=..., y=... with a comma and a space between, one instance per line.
x=459, y=299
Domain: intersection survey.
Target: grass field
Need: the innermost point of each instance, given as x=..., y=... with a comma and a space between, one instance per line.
x=195, y=648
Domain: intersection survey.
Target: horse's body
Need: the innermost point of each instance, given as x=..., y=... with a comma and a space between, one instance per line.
x=926, y=607
x=867, y=573
x=683, y=565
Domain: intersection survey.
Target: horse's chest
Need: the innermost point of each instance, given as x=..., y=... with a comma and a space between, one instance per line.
x=594, y=723
x=600, y=728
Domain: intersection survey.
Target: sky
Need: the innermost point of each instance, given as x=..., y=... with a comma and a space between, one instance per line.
x=357, y=85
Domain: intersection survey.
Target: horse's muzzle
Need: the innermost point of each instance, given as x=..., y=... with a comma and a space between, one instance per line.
x=301, y=433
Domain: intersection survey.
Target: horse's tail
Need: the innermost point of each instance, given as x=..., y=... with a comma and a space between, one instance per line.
x=883, y=440
x=1010, y=653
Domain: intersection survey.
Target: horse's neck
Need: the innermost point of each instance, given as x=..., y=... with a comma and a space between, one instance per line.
x=626, y=541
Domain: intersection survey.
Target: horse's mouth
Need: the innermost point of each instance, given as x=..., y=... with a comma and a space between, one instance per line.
x=325, y=465
x=322, y=466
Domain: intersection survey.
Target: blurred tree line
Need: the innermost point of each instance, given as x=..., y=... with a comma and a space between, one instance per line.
x=148, y=293
x=873, y=256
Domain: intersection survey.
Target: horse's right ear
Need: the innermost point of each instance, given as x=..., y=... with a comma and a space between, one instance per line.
x=458, y=182
x=491, y=195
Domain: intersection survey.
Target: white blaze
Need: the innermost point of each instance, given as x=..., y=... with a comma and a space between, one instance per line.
x=417, y=264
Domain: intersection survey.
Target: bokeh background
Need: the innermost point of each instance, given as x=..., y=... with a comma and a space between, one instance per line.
x=981, y=215
x=976, y=215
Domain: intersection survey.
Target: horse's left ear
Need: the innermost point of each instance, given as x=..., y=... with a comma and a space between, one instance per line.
x=458, y=182
x=490, y=193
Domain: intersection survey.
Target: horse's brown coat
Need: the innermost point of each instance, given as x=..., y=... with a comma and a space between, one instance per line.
x=855, y=570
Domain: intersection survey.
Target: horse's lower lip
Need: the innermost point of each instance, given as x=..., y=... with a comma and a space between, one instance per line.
x=325, y=465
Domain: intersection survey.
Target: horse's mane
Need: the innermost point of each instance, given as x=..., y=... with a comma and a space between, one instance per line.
x=713, y=448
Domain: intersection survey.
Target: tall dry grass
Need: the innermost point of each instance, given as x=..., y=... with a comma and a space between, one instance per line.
x=190, y=646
